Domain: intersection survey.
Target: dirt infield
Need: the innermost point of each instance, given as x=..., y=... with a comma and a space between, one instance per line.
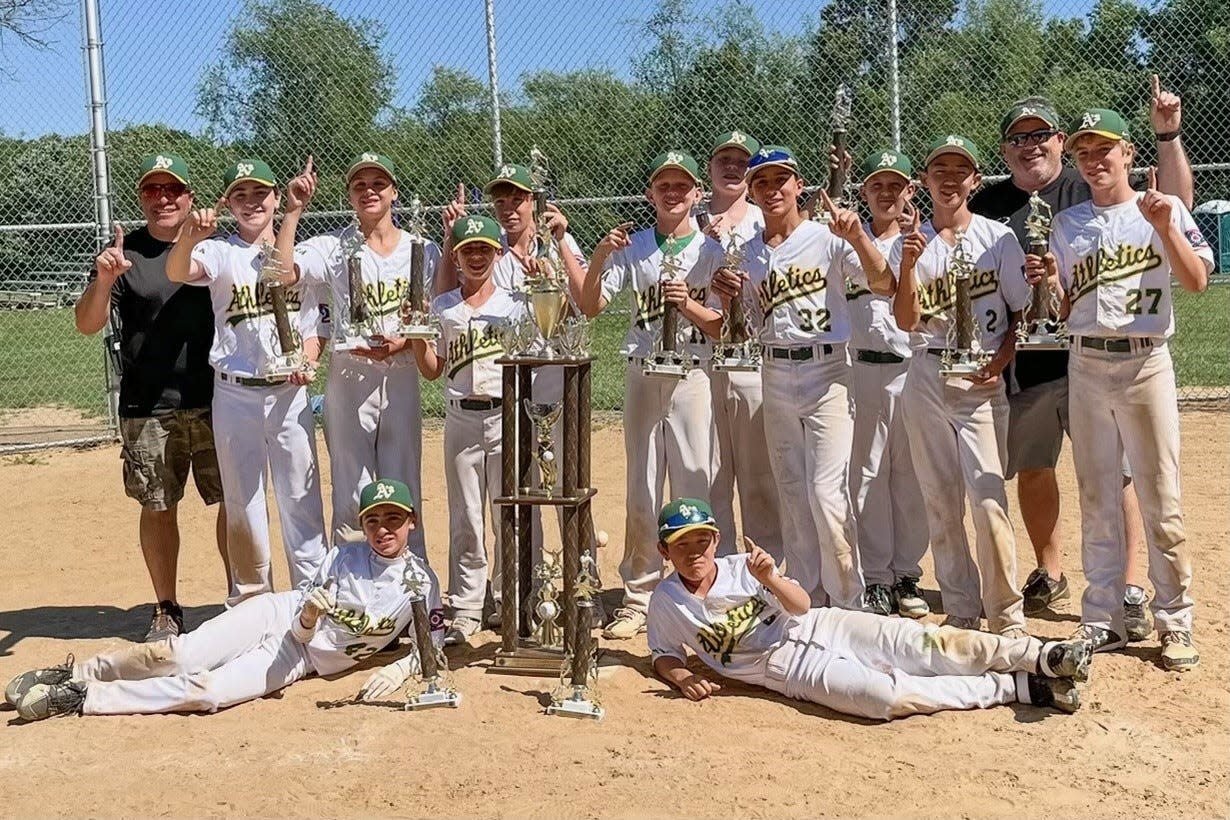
x=1147, y=744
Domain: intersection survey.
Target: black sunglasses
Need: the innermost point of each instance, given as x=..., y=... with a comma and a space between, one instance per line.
x=1031, y=138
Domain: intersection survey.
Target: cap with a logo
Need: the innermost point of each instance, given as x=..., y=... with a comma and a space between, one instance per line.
x=886, y=159
x=1032, y=108
x=248, y=170
x=517, y=176
x=674, y=159
x=1100, y=121
x=772, y=156
x=735, y=139
x=370, y=160
x=385, y=491
x=172, y=164
x=477, y=228
x=954, y=144
x=683, y=515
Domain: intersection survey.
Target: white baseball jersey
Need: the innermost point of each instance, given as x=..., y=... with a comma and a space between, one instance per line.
x=245, y=336
x=872, y=324
x=470, y=341
x=322, y=262
x=800, y=286
x=640, y=266
x=372, y=605
x=1114, y=266
x=733, y=629
x=509, y=271
x=998, y=285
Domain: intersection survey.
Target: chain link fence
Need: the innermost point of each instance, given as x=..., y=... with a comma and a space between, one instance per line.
x=598, y=94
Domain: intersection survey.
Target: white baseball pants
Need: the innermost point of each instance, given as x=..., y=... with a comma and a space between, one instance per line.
x=474, y=475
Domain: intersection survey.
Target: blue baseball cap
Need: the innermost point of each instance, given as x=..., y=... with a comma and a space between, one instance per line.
x=683, y=515
x=772, y=156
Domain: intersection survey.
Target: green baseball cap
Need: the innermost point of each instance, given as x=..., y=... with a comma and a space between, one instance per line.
x=1100, y=121
x=772, y=156
x=887, y=159
x=954, y=144
x=370, y=160
x=683, y=515
x=476, y=228
x=1030, y=108
x=385, y=491
x=172, y=164
x=735, y=139
x=674, y=159
x=517, y=176
x=248, y=170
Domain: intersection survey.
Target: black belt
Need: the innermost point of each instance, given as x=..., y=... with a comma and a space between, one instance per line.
x=478, y=404
x=878, y=357
x=798, y=354
x=936, y=351
x=1121, y=345
x=253, y=381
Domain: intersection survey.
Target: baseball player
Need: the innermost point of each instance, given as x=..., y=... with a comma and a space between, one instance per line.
x=668, y=423
x=889, y=513
x=958, y=427
x=747, y=621
x=373, y=417
x=470, y=318
x=742, y=452
x=1116, y=255
x=799, y=270
x=352, y=608
x=260, y=422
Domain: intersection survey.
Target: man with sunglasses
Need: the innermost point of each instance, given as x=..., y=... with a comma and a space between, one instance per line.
x=1032, y=143
x=166, y=384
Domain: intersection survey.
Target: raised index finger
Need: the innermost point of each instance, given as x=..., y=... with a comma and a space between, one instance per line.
x=460, y=199
x=118, y=244
x=828, y=203
x=1153, y=177
x=1156, y=82
x=308, y=166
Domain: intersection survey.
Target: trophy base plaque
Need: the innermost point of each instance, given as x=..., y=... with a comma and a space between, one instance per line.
x=418, y=332
x=355, y=343
x=737, y=358
x=528, y=658
x=669, y=364
x=433, y=697
x=577, y=705
x=283, y=367
x=960, y=364
x=1042, y=336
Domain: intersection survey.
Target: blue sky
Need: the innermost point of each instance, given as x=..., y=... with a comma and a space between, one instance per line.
x=156, y=51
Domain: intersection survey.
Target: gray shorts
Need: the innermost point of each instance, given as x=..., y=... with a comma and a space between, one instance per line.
x=1037, y=422
x=158, y=452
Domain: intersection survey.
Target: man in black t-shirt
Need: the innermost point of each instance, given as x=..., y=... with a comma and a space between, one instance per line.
x=1032, y=147
x=165, y=332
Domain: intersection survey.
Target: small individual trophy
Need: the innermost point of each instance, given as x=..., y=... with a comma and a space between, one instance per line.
x=416, y=319
x=434, y=690
x=667, y=360
x=701, y=211
x=289, y=358
x=1040, y=328
x=359, y=327
x=544, y=415
x=736, y=350
x=546, y=285
x=575, y=695
x=575, y=336
x=836, y=187
x=963, y=354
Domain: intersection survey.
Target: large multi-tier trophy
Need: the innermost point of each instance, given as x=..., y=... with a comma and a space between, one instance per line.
x=289, y=359
x=737, y=349
x=1040, y=328
x=963, y=354
x=417, y=322
x=836, y=186
x=666, y=359
x=574, y=697
x=546, y=285
x=433, y=690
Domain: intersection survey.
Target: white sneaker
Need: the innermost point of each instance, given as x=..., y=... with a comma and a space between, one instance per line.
x=460, y=631
x=628, y=623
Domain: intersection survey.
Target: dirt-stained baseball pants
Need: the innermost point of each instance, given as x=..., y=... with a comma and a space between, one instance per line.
x=472, y=450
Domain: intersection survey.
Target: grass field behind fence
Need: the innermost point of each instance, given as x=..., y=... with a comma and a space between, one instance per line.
x=45, y=362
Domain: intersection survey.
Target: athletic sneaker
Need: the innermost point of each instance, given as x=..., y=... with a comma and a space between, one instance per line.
x=1178, y=654
x=910, y=602
x=50, y=700
x=1068, y=659
x=21, y=684
x=878, y=599
x=1100, y=638
x=1042, y=593
x=461, y=629
x=963, y=623
x=1137, y=619
x=167, y=622
x=628, y=623
x=1058, y=693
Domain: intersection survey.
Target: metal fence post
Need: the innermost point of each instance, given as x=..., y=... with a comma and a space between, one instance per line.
x=493, y=81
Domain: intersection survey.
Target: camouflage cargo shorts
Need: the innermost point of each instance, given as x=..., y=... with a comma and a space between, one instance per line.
x=158, y=452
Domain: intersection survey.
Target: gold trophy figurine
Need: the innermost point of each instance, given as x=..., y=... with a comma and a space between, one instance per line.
x=1040, y=328
x=737, y=350
x=963, y=354
x=544, y=415
x=417, y=322
x=289, y=358
x=667, y=360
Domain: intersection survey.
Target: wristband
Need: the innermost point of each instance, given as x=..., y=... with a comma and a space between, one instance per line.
x=1169, y=136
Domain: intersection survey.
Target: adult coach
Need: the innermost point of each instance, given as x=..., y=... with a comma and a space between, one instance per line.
x=166, y=383
x=1032, y=144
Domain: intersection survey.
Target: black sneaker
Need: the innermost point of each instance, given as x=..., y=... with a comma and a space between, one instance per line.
x=1137, y=619
x=167, y=622
x=878, y=599
x=1042, y=593
x=910, y=602
x=1057, y=693
x=1101, y=639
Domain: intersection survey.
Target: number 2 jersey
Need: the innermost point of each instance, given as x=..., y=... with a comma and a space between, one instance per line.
x=1114, y=268
x=373, y=605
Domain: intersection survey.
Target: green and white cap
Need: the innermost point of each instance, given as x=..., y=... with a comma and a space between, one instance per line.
x=385, y=491
x=476, y=228
x=683, y=515
x=515, y=175
x=372, y=160
x=248, y=170
x=172, y=164
x=954, y=144
x=887, y=160
x=674, y=159
x=1101, y=121
x=1031, y=108
x=735, y=139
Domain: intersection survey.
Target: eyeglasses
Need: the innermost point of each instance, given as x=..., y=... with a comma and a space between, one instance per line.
x=1031, y=138
x=157, y=190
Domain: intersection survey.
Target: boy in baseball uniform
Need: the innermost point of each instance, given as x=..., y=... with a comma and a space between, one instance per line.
x=888, y=505
x=1116, y=255
x=354, y=606
x=668, y=422
x=747, y=621
x=470, y=320
x=373, y=417
x=261, y=422
x=958, y=426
